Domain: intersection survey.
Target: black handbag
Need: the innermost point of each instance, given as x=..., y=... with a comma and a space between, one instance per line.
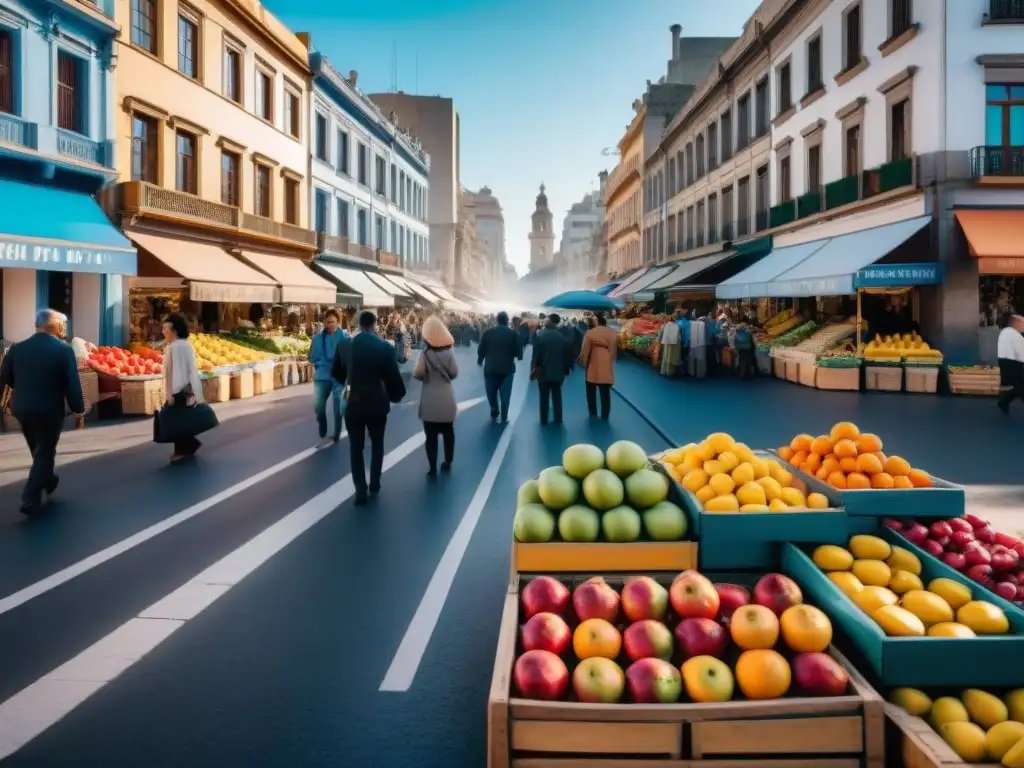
x=176, y=422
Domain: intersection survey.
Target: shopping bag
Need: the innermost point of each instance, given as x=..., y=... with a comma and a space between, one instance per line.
x=173, y=423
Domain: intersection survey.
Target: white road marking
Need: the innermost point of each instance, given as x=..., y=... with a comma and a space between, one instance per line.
x=410, y=652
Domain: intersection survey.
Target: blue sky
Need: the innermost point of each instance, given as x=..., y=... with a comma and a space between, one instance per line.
x=541, y=86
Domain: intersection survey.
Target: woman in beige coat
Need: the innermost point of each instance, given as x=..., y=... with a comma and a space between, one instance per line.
x=436, y=368
x=600, y=346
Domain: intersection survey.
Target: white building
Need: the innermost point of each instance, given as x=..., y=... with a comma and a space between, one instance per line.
x=576, y=247
x=369, y=177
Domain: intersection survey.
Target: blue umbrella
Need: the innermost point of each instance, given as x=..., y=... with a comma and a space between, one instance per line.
x=583, y=300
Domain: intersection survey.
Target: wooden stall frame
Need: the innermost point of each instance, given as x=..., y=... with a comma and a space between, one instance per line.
x=576, y=557
x=920, y=745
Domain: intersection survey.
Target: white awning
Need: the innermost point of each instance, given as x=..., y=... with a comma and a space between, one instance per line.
x=356, y=280
x=415, y=288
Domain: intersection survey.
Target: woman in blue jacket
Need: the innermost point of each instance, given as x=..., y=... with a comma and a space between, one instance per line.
x=321, y=354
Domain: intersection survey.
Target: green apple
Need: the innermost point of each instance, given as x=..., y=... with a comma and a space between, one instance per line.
x=665, y=522
x=527, y=494
x=533, y=523
x=557, y=489
x=578, y=523
x=621, y=524
x=602, y=489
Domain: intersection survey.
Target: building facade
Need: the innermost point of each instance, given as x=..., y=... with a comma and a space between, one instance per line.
x=542, y=234
x=576, y=252
x=435, y=122
x=490, y=231
x=370, y=190
x=622, y=200
x=57, y=141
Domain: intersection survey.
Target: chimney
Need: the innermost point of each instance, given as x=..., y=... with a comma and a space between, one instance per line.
x=353, y=77
x=676, y=31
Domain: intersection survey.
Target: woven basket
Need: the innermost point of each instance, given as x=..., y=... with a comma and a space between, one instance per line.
x=922, y=379
x=142, y=398
x=242, y=385
x=217, y=389
x=984, y=383
x=883, y=378
x=90, y=381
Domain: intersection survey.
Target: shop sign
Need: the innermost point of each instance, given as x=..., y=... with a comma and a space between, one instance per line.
x=65, y=258
x=899, y=275
x=823, y=286
x=1008, y=267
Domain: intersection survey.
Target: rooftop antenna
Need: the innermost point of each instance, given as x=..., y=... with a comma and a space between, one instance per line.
x=394, y=66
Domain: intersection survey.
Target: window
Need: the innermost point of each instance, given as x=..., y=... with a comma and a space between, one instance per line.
x=851, y=38
x=230, y=163
x=852, y=155
x=712, y=146
x=1004, y=115
x=814, y=168
x=361, y=158
x=396, y=240
x=143, y=23
x=701, y=225
x=727, y=233
x=70, y=96
x=671, y=176
x=401, y=191
x=785, y=182
x=188, y=45
x=690, y=229
x=293, y=116
x=321, y=138
x=265, y=95
x=233, y=74
x=320, y=211
x=394, y=183
x=380, y=175
x=343, y=223
x=689, y=164
x=342, y=160
x=262, y=189
x=814, y=77
x=185, y=176
x=6, y=71
x=762, y=196
x=899, y=124
x=761, y=107
x=291, y=204
x=743, y=207
x=785, y=78
x=726, y=122
x=361, y=229
x=899, y=17
x=743, y=121
x=713, y=231
x=408, y=193
x=145, y=140
x=700, y=156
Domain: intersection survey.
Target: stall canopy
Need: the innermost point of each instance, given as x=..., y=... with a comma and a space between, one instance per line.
x=994, y=238
x=627, y=283
x=642, y=284
x=608, y=288
x=387, y=286
x=357, y=282
x=415, y=289
x=448, y=301
x=211, y=272
x=298, y=283
x=751, y=281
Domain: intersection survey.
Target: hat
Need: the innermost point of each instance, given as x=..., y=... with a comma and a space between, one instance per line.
x=435, y=333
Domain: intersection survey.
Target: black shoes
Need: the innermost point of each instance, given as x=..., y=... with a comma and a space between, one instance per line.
x=51, y=487
x=446, y=466
x=360, y=498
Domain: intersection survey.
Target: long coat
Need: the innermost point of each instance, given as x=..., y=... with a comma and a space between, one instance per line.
x=437, y=368
x=600, y=347
x=552, y=358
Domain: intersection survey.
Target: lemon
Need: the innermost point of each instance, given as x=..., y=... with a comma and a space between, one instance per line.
x=847, y=583
x=950, y=629
x=751, y=493
x=792, y=496
x=898, y=622
x=760, y=467
x=903, y=582
x=952, y=591
x=912, y=700
x=721, y=484
x=726, y=503
x=904, y=560
x=694, y=480
x=983, y=617
x=742, y=452
x=713, y=467
x=705, y=494
x=720, y=442
x=984, y=708
x=871, y=598
x=755, y=508
x=948, y=710
x=829, y=557
x=780, y=473
x=728, y=460
x=772, y=489
x=927, y=606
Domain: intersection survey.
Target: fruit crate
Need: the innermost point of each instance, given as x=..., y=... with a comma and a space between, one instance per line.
x=793, y=732
x=883, y=378
x=987, y=661
x=919, y=745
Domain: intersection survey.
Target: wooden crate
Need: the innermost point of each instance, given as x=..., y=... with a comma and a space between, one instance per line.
x=883, y=378
x=842, y=732
x=918, y=743
x=142, y=398
x=262, y=381
x=843, y=379
x=920, y=378
x=242, y=384
x=217, y=389
x=976, y=381
x=601, y=556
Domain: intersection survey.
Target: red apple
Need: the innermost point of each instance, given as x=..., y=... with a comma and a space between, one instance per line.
x=975, y=521
x=731, y=597
x=1004, y=560
x=546, y=632
x=960, y=524
x=954, y=560
x=1005, y=590
x=915, y=533
x=975, y=554
x=896, y=525
x=1019, y=549
x=654, y=681
x=777, y=592
x=932, y=547
x=940, y=529
x=985, y=534
x=544, y=595
x=702, y=637
x=818, y=674
x=644, y=598
x=962, y=538
x=594, y=599
x=980, y=573
x=647, y=639
x=1020, y=591
x=540, y=675
x=694, y=596
x=942, y=541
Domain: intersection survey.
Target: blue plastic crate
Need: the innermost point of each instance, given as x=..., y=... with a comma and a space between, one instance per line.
x=718, y=553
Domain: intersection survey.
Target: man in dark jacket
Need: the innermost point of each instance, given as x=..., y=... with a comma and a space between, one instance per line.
x=43, y=374
x=497, y=352
x=369, y=368
x=574, y=336
x=552, y=360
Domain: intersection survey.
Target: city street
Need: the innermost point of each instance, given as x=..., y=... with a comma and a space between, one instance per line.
x=240, y=611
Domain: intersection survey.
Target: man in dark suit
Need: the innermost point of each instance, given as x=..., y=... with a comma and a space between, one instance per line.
x=368, y=366
x=552, y=360
x=43, y=374
x=497, y=352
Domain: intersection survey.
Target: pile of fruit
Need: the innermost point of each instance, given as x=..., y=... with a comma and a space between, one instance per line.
x=115, y=361
x=885, y=582
x=694, y=637
x=978, y=725
x=796, y=336
x=726, y=476
x=614, y=485
x=846, y=458
x=909, y=346
x=785, y=321
x=970, y=545
x=220, y=351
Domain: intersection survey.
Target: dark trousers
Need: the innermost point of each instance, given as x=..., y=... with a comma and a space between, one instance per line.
x=746, y=363
x=446, y=430
x=358, y=426
x=498, y=388
x=606, y=399
x=1009, y=394
x=552, y=390
x=42, y=433
x=186, y=446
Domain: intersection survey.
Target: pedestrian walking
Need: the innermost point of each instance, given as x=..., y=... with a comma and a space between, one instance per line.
x=321, y=355
x=39, y=376
x=367, y=365
x=551, y=362
x=684, y=340
x=671, y=346
x=698, y=359
x=182, y=389
x=497, y=352
x=600, y=347
x=575, y=338
x=523, y=329
x=1010, y=351
x=437, y=368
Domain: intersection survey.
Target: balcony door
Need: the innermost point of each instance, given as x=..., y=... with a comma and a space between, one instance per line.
x=1004, y=130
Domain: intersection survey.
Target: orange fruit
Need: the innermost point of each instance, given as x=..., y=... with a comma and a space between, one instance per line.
x=754, y=626
x=801, y=443
x=831, y=463
x=845, y=448
x=920, y=478
x=844, y=429
x=785, y=453
x=901, y=481
x=798, y=458
x=881, y=457
x=857, y=481
x=868, y=464
x=596, y=637
x=869, y=443
x=811, y=464
x=821, y=445
x=848, y=465
x=837, y=480
x=763, y=674
x=895, y=466
x=882, y=480
x=805, y=629
x=823, y=473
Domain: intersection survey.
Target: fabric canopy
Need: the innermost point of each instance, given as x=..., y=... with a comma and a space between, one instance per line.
x=414, y=289
x=627, y=283
x=993, y=234
x=748, y=283
x=357, y=281
x=299, y=284
x=386, y=285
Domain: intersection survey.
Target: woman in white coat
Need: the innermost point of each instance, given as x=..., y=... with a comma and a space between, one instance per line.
x=182, y=385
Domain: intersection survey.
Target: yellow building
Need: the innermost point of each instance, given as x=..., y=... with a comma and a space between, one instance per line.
x=622, y=200
x=212, y=117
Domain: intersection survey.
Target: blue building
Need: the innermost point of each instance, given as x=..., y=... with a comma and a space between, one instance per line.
x=57, y=248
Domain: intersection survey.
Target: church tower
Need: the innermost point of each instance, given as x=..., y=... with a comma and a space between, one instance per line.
x=542, y=235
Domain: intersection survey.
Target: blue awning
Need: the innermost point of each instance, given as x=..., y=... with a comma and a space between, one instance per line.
x=754, y=280
x=59, y=230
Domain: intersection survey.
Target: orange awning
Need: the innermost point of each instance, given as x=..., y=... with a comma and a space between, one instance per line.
x=299, y=284
x=994, y=234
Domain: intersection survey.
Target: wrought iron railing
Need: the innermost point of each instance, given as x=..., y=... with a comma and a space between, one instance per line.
x=997, y=161
x=14, y=130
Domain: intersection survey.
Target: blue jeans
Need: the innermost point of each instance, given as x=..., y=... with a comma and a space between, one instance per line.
x=496, y=386
x=322, y=390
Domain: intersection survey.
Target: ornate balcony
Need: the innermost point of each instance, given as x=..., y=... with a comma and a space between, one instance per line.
x=78, y=147
x=991, y=164
x=278, y=229
x=14, y=130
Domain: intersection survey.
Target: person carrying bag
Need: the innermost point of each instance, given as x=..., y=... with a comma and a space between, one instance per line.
x=185, y=413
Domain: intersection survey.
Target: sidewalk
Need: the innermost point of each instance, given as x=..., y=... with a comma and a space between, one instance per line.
x=102, y=437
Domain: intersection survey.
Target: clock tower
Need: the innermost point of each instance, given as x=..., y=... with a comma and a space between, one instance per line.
x=542, y=235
